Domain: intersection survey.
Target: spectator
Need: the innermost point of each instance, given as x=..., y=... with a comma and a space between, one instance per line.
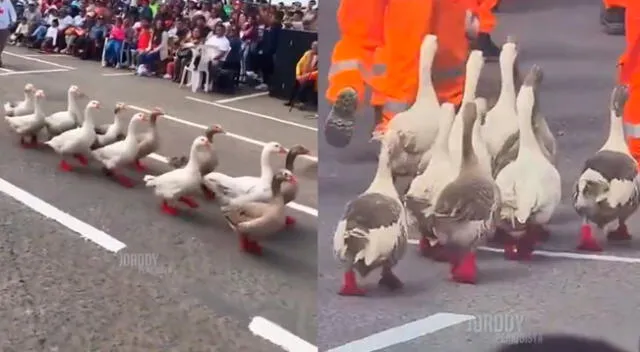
x=113, y=49
x=266, y=49
x=249, y=37
x=73, y=32
x=65, y=22
x=156, y=51
x=296, y=20
x=179, y=30
x=143, y=42
x=305, y=87
x=38, y=35
x=90, y=44
x=234, y=58
x=33, y=16
x=50, y=38
x=191, y=9
x=21, y=33
x=184, y=56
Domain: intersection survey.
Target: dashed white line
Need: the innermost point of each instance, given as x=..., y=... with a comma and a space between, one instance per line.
x=117, y=74
x=46, y=55
x=15, y=73
x=278, y=335
x=39, y=60
x=247, y=112
x=82, y=228
x=241, y=97
x=6, y=69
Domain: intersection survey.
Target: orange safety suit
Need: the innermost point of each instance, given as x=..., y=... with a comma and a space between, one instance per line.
x=614, y=3
x=380, y=46
x=630, y=75
x=483, y=9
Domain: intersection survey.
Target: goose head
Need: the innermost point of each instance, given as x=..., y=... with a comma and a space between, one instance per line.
x=509, y=52
x=139, y=118
x=298, y=149
x=212, y=131
x=275, y=148
x=93, y=105
x=619, y=97
x=29, y=88
x=153, y=116
x=39, y=95
x=120, y=107
x=200, y=143
x=281, y=177
x=74, y=91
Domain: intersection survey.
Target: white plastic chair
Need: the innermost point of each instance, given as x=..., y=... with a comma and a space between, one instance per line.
x=122, y=61
x=196, y=73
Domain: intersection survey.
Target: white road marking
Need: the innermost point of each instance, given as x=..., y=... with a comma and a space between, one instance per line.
x=404, y=333
x=6, y=69
x=46, y=55
x=83, y=229
x=228, y=134
x=278, y=335
x=247, y=112
x=15, y=73
x=295, y=206
x=241, y=97
x=566, y=255
x=117, y=74
x=38, y=60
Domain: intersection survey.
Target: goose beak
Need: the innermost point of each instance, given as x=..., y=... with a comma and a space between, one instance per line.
x=293, y=180
x=283, y=150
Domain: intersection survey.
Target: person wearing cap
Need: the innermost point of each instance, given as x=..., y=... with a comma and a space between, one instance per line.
x=39, y=33
x=32, y=15
x=7, y=17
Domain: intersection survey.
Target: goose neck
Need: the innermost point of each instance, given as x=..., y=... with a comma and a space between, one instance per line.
x=290, y=159
x=507, y=83
x=616, y=133
x=528, y=139
x=266, y=173
x=425, y=83
x=470, y=84
x=444, y=130
x=383, y=178
x=469, y=157
x=39, y=111
x=192, y=164
x=88, y=124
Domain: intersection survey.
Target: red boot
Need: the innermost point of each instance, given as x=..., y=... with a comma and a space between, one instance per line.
x=167, y=209
x=435, y=252
x=65, y=166
x=350, y=285
x=620, y=234
x=465, y=271
x=587, y=241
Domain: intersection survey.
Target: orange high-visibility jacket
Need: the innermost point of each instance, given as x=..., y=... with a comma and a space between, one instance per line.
x=630, y=75
x=483, y=9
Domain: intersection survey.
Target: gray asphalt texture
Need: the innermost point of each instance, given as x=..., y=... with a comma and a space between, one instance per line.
x=59, y=292
x=594, y=298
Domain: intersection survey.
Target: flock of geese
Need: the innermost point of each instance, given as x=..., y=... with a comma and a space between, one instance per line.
x=479, y=175
x=253, y=206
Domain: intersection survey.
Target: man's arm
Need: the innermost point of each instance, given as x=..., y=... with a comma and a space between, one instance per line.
x=13, y=17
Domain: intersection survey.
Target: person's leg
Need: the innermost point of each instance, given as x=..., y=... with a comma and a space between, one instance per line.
x=4, y=36
x=612, y=16
x=117, y=52
x=487, y=19
x=109, y=53
x=361, y=32
x=294, y=93
x=630, y=74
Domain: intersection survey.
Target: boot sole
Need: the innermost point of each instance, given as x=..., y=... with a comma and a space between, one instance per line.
x=613, y=28
x=338, y=129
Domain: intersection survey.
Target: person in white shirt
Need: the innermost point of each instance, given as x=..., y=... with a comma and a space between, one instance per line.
x=217, y=48
x=21, y=33
x=7, y=17
x=51, y=37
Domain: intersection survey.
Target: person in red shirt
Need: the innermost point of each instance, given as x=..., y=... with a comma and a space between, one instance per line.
x=113, y=50
x=144, y=38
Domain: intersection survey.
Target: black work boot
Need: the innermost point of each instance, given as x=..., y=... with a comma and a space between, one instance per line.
x=338, y=128
x=490, y=50
x=612, y=20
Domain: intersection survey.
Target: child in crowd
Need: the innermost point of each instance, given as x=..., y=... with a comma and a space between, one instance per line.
x=50, y=38
x=113, y=50
x=21, y=33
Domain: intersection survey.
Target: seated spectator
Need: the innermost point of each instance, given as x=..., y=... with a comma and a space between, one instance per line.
x=89, y=45
x=50, y=38
x=296, y=20
x=21, y=33
x=156, y=52
x=33, y=16
x=184, y=55
x=130, y=39
x=143, y=41
x=113, y=49
x=179, y=29
x=304, y=89
x=65, y=22
x=37, y=36
x=216, y=49
x=73, y=32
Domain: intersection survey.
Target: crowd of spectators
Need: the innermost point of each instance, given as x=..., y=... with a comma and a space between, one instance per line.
x=235, y=42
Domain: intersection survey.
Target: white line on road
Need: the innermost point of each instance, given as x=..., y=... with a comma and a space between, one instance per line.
x=83, y=229
x=117, y=74
x=15, y=73
x=39, y=60
x=295, y=206
x=228, y=134
x=247, y=112
x=404, y=333
x=241, y=97
x=566, y=255
x=278, y=335
x=46, y=55
x=5, y=69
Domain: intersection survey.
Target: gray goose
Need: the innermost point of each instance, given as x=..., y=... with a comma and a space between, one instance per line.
x=466, y=210
x=290, y=190
x=607, y=191
x=254, y=221
x=148, y=142
x=372, y=232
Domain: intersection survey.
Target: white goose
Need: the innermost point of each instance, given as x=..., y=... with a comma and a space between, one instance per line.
x=110, y=133
x=121, y=153
x=149, y=141
x=373, y=230
x=426, y=187
x=78, y=141
x=238, y=190
x=607, y=192
x=29, y=125
x=23, y=107
x=475, y=63
x=467, y=208
x=63, y=121
x=418, y=128
x=178, y=184
x=530, y=186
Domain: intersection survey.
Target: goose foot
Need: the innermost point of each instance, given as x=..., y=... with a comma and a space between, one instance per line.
x=65, y=166
x=167, y=209
x=464, y=270
x=249, y=246
x=390, y=280
x=436, y=252
x=208, y=194
x=522, y=249
x=81, y=159
x=124, y=180
x=587, y=241
x=350, y=285
x=540, y=232
x=289, y=221
x=189, y=202
x=139, y=166
x=620, y=234
x=29, y=145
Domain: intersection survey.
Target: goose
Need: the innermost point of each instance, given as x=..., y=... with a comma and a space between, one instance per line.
x=290, y=189
x=63, y=121
x=149, y=141
x=237, y=190
x=530, y=186
x=426, y=187
x=113, y=132
x=466, y=211
x=509, y=150
x=418, y=130
x=475, y=62
x=23, y=107
x=608, y=189
x=120, y=153
x=255, y=221
x=178, y=184
x=77, y=141
x=29, y=125
x=372, y=232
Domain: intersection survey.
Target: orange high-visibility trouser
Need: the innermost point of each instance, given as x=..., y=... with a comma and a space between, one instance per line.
x=630, y=74
x=483, y=9
x=361, y=30
x=612, y=3
x=396, y=70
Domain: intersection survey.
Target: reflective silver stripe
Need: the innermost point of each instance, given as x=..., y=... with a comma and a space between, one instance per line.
x=379, y=69
x=450, y=73
x=396, y=106
x=631, y=130
x=345, y=65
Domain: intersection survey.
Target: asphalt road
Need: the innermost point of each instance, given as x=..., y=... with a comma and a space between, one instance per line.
x=566, y=293
x=180, y=284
